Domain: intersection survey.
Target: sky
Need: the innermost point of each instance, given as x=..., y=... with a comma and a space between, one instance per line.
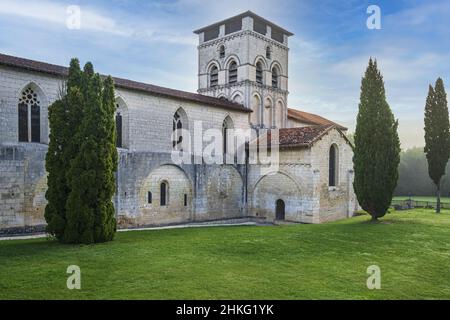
x=152, y=41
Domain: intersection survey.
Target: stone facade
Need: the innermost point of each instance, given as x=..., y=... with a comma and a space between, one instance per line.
x=193, y=191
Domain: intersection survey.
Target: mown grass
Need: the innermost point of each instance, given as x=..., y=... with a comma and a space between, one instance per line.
x=327, y=261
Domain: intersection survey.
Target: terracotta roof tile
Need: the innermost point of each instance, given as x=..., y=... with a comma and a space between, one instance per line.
x=62, y=72
x=311, y=118
x=297, y=137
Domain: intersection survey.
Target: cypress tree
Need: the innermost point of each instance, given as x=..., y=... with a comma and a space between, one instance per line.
x=63, y=121
x=82, y=159
x=90, y=211
x=437, y=135
x=105, y=222
x=377, y=146
x=81, y=176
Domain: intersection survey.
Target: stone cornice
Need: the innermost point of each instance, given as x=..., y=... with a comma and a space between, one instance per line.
x=240, y=84
x=239, y=34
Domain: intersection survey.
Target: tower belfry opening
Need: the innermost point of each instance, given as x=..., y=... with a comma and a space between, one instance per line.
x=244, y=58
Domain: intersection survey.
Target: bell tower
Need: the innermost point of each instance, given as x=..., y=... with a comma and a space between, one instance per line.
x=245, y=59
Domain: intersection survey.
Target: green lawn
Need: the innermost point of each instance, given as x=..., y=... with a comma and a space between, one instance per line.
x=423, y=198
x=325, y=261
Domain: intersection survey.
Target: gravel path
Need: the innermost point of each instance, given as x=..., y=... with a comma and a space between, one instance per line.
x=197, y=225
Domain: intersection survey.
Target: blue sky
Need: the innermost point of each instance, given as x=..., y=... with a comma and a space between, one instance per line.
x=152, y=41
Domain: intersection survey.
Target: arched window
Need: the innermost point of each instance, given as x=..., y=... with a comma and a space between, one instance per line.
x=122, y=120
x=119, y=142
x=222, y=51
x=275, y=77
x=259, y=73
x=268, y=113
x=232, y=72
x=333, y=168
x=149, y=197
x=179, y=126
x=177, y=131
x=213, y=76
x=268, y=53
x=255, y=116
x=163, y=194
x=29, y=115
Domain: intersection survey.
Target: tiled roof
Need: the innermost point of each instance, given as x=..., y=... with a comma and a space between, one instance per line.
x=311, y=118
x=61, y=71
x=305, y=136
x=242, y=15
x=297, y=137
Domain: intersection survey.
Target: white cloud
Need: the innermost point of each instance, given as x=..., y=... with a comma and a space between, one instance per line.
x=92, y=20
x=57, y=14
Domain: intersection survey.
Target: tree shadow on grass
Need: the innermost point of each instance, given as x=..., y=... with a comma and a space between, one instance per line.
x=35, y=247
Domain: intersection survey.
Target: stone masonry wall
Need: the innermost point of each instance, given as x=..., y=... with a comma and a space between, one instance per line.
x=340, y=201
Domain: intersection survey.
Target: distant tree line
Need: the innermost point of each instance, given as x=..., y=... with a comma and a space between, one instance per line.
x=414, y=179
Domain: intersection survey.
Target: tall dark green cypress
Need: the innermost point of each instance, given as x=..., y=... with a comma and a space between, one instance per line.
x=377, y=146
x=64, y=118
x=90, y=211
x=82, y=159
x=105, y=222
x=437, y=135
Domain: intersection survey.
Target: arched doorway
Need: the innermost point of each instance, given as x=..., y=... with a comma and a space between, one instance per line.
x=279, y=210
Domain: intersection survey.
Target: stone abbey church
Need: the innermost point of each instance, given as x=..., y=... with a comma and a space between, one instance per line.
x=242, y=83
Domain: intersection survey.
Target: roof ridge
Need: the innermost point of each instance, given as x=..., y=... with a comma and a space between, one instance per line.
x=316, y=119
x=58, y=70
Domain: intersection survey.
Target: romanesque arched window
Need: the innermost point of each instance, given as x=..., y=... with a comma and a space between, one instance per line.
x=256, y=115
x=119, y=142
x=259, y=73
x=213, y=76
x=163, y=201
x=29, y=114
x=232, y=72
x=333, y=167
x=275, y=77
x=149, y=197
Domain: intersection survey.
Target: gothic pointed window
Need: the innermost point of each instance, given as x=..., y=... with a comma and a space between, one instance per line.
x=259, y=73
x=29, y=116
x=232, y=72
x=35, y=123
x=333, y=166
x=213, y=76
x=118, y=129
x=23, y=122
x=163, y=194
x=177, y=127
